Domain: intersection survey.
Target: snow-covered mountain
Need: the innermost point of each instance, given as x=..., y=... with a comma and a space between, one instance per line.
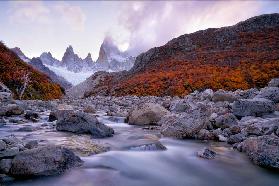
x=112, y=59
x=75, y=69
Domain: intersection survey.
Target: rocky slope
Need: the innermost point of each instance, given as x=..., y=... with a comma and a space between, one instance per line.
x=237, y=57
x=37, y=64
x=18, y=75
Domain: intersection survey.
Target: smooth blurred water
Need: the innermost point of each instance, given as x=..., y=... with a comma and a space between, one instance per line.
x=177, y=166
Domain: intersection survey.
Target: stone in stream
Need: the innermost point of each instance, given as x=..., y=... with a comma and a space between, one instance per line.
x=5, y=165
x=33, y=116
x=10, y=109
x=83, y=123
x=186, y=125
x=263, y=150
x=147, y=114
x=206, y=153
x=252, y=107
x=43, y=161
x=149, y=147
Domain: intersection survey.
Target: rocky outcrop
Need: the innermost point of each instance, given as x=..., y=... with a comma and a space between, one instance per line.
x=83, y=123
x=186, y=125
x=147, y=114
x=10, y=109
x=37, y=64
x=43, y=161
x=252, y=107
x=271, y=93
x=263, y=151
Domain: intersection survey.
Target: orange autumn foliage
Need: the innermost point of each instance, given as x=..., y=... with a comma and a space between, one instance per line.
x=12, y=69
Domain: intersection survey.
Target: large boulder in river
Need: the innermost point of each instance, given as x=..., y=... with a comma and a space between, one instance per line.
x=43, y=161
x=263, y=151
x=225, y=121
x=252, y=107
x=147, y=114
x=186, y=125
x=271, y=93
x=82, y=123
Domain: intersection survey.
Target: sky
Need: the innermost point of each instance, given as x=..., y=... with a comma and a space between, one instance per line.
x=135, y=26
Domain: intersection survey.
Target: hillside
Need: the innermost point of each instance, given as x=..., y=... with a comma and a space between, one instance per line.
x=237, y=57
x=13, y=70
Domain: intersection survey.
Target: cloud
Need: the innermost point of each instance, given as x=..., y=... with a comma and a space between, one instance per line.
x=72, y=15
x=154, y=23
x=37, y=12
x=29, y=12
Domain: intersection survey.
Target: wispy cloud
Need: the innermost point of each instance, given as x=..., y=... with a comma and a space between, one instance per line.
x=154, y=23
x=24, y=12
x=71, y=15
x=37, y=12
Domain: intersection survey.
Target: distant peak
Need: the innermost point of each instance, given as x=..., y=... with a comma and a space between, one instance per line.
x=70, y=49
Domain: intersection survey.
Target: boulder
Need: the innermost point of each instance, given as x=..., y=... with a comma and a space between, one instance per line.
x=147, y=114
x=237, y=138
x=83, y=123
x=207, y=153
x=204, y=134
x=33, y=116
x=225, y=121
x=89, y=109
x=186, y=125
x=5, y=165
x=179, y=106
x=274, y=82
x=263, y=151
x=10, y=109
x=271, y=93
x=222, y=95
x=43, y=161
x=252, y=107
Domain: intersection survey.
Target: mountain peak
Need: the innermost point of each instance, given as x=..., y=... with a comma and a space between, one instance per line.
x=20, y=54
x=70, y=49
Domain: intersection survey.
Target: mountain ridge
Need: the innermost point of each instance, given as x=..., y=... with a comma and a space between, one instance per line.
x=235, y=57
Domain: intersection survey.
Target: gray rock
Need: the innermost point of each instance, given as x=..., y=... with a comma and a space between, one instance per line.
x=237, y=138
x=52, y=117
x=204, y=134
x=5, y=178
x=253, y=130
x=10, y=152
x=263, y=151
x=43, y=161
x=147, y=114
x=80, y=122
x=5, y=165
x=274, y=82
x=33, y=116
x=271, y=93
x=179, y=105
x=225, y=121
x=149, y=147
x=222, y=95
x=31, y=144
x=28, y=129
x=252, y=107
x=3, y=145
x=10, y=109
x=184, y=126
x=207, y=153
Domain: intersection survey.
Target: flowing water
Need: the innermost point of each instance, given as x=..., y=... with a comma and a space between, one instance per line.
x=176, y=166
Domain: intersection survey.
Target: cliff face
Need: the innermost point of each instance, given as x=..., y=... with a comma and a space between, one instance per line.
x=237, y=57
x=14, y=72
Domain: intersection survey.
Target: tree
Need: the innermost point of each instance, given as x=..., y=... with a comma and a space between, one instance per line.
x=25, y=82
